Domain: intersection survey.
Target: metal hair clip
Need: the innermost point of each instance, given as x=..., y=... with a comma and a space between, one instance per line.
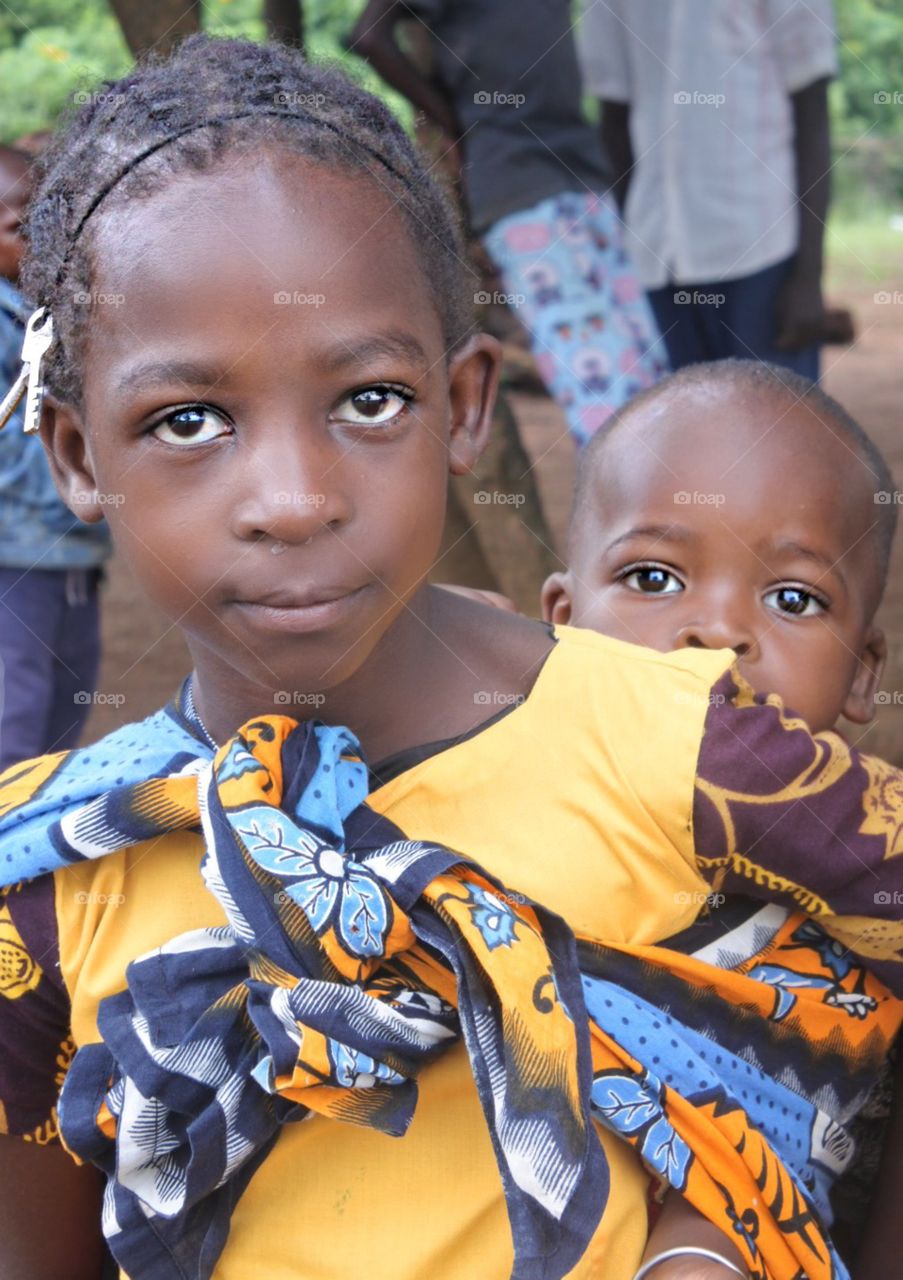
x=38, y=341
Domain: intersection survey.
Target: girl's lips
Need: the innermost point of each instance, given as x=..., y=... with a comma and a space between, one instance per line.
x=282, y=613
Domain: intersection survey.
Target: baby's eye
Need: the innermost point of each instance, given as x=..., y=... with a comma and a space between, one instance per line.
x=373, y=406
x=653, y=580
x=197, y=424
x=796, y=601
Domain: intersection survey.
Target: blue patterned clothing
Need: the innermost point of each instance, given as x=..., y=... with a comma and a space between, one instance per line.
x=37, y=530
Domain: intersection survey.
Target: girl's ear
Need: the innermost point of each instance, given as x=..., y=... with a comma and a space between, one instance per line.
x=860, y=704
x=473, y=380
x=64, y=439
x=556, y=599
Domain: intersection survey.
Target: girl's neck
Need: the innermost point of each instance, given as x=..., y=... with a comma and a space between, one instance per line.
x=427, y=678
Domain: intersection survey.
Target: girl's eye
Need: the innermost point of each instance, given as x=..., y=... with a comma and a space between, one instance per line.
x=195, y=425
x=653, y=580
x=796, y=601
x=373, y=406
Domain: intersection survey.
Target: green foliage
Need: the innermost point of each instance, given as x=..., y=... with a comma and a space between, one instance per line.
x=54, y=49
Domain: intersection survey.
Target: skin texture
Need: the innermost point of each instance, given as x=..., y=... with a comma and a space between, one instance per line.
x=15, y=190
x=714, y=520
x=244, y=517
x=276, y=459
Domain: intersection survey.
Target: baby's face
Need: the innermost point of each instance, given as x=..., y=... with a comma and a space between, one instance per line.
x=719, y=521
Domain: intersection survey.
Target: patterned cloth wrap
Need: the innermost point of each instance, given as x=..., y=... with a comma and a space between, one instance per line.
x=353, y=956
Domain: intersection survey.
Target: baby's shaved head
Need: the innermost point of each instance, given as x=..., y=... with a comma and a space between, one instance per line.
x=779, y=389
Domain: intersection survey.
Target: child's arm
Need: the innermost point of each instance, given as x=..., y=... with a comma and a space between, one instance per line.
x=800, y=308
x=679, y=1225
x=374, y=39
x=49, y=1214
x=615, y=133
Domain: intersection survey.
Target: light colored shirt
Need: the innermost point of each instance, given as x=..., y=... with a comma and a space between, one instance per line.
x=713, y=194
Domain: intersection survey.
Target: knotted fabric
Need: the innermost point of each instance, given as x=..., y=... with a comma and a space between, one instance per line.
x=350, y=959
x=352, y=956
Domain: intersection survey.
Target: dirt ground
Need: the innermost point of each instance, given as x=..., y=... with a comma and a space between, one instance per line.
x=144, y=657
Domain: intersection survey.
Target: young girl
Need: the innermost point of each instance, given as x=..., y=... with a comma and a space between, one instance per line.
x=276, y=396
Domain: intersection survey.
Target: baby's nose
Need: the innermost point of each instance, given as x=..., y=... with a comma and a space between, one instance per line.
x=718, y=634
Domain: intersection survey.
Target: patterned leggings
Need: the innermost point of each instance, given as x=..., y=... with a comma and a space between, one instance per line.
x=571, y=284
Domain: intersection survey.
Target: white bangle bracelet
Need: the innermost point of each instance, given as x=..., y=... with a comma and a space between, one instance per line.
x=688, y=1251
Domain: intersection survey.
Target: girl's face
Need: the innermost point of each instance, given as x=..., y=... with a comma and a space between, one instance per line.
x=270, y=415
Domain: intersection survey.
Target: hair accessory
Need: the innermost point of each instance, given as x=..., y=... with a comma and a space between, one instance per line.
x=37, y=342
x=688, y=1251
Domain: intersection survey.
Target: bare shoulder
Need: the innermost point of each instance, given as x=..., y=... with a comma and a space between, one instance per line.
x=504, y=651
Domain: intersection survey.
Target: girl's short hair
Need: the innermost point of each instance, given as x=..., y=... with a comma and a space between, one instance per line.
x=213, y=97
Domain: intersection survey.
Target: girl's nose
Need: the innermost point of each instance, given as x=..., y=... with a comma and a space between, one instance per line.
x=289, y=494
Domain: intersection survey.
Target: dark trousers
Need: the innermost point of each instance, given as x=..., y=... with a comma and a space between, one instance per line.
x=728, y=318
x=50, y=652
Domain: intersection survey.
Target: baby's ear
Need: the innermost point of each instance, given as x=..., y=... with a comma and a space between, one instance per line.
x=556, y=599
x=860, y=704
x=64, y=439
x=473, y=380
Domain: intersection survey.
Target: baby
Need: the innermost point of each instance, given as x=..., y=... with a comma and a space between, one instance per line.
x=738, y=506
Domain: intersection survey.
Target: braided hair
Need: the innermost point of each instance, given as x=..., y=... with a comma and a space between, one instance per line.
x=213, y=97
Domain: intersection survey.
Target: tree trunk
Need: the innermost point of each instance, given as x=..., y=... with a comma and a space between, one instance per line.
x=156, y=27
x=284, y=21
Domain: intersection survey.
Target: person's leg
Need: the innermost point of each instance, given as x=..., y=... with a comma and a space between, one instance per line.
x=746, y=321
x=684, y=328
x=31, y=604
x=565, y=271
x=77, y=661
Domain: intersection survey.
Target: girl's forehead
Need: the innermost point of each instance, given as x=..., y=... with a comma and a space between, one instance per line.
x=247, y=200
x=296, y=228
x=266, y=270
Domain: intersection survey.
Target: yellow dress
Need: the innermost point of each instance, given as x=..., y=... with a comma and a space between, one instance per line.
x=582, y=798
